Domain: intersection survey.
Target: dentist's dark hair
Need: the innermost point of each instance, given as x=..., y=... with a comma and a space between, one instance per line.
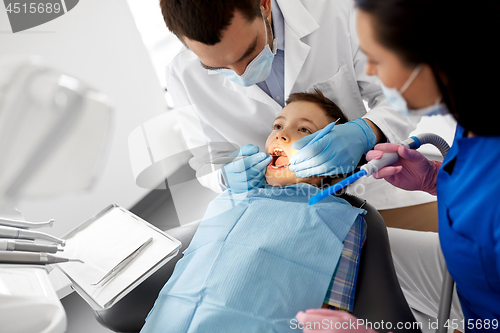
x=457, y=41
x=205, y=20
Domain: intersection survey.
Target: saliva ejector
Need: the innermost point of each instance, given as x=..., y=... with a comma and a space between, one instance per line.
x=373, y=166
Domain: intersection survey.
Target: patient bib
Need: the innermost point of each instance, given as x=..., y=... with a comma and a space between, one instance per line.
x=256, y=259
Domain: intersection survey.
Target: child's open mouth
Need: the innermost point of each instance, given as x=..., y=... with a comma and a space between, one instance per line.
x=280, y=160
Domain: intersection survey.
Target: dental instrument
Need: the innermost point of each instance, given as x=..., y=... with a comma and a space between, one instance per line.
x=25, y=224
x=9, y=232
x=324, y=131
x=32, y=258
x=321, y=133
x=12, y=245
x=224, y=160
x=371, y=167
x=122, y=264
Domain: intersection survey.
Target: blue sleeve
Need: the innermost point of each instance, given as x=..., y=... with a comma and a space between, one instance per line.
x=496, y=239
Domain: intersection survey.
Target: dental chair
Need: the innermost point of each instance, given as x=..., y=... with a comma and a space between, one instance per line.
x=378, y=293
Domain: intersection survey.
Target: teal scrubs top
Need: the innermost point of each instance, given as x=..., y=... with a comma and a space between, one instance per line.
x=468, y=191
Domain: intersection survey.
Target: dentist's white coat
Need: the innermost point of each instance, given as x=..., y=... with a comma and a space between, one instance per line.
x=321, y=50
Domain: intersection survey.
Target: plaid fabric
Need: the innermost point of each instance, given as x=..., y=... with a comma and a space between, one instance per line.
x=340, y=295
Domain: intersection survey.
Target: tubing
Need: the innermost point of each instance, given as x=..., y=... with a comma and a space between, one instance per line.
x=448, y=283
x=337, y=187
x=415, y=142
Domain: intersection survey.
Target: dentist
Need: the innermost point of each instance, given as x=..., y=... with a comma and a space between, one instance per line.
x=422, y=51
x=243, y=58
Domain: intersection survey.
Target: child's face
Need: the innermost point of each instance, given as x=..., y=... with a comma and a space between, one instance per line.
x=296, y=120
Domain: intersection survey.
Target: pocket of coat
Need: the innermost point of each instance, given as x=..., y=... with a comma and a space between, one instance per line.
x=343, y=90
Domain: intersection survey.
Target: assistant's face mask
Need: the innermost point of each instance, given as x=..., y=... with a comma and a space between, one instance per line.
x=395, y=99
x=258, y=69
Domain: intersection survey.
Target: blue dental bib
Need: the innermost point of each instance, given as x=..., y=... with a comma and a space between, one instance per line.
x=256, y=259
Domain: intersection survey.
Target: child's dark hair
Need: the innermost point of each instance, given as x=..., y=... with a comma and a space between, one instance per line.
x=317, y=97
x=333, y=112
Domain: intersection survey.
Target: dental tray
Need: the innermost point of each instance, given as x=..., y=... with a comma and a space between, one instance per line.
x=102, y=242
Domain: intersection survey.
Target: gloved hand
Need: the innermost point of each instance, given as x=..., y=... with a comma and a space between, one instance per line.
x=411, y=172
x=330, y=321
x=248, y=173
x=338, y=152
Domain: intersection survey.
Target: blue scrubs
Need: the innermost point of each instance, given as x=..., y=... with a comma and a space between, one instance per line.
x=468, y=194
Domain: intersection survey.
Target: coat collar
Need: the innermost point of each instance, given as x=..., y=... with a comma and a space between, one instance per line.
x=297, y=18
x=253, y=92
x=298, y=24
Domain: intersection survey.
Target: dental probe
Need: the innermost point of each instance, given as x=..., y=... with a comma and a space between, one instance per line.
x=366, y=170
x=32, y=258
x=324, y=131
x=9, y=232
x=12, y=245
x=321, y=133
x=25, y=224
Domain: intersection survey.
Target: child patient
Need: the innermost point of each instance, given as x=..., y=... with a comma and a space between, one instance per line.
x=259, y=257
x=304, y=114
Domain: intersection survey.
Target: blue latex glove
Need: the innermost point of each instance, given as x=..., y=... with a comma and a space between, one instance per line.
x=338, y=152
x=248, y=173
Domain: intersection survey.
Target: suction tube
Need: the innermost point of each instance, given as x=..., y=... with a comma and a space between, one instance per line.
x=414, y=142
x=337, y=187
x=369, y=168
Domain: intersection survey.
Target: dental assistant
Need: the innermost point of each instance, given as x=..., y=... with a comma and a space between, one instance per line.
x=244, y=58
x=428, y=61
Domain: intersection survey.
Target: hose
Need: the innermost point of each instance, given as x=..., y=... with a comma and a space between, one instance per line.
x=415, y=142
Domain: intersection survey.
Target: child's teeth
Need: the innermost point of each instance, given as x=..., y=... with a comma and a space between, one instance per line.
x=279, y=166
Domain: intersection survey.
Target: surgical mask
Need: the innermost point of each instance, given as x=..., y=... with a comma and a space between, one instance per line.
x=395, y=99
x=258, y=69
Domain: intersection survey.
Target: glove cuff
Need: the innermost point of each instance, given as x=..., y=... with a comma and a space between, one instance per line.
x=371, y=138
x=431, y=188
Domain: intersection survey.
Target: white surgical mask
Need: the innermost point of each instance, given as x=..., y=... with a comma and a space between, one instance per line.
x=395, y=99
x=258, y=69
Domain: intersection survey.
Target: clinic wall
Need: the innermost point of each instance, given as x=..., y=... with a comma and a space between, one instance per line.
x=97, y=42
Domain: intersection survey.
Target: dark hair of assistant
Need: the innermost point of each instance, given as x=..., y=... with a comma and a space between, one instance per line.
x=457, y=41
x=204, y=21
